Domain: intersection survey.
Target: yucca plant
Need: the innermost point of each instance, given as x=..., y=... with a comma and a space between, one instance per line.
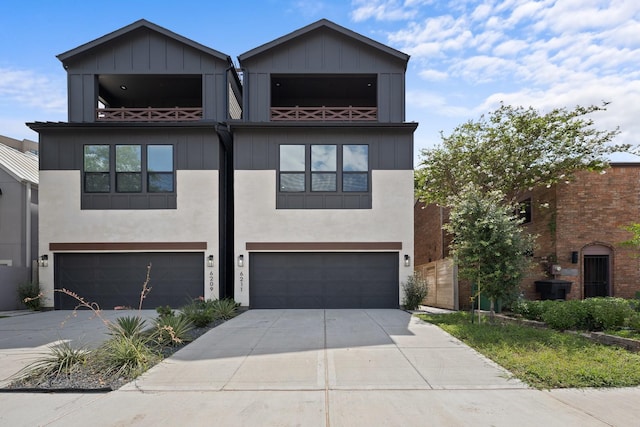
x=128, y=326
x=172, y=330
x=61, y=359
x=200, y=313
x=224, y=309
x=126, y=356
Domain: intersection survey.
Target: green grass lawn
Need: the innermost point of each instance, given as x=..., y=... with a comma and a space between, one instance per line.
x=544, y=358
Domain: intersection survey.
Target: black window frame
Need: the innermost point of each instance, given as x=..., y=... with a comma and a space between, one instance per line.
x=309, y=173
x=113, y=173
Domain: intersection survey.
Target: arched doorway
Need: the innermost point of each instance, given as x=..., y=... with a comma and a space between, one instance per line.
x=596, y=268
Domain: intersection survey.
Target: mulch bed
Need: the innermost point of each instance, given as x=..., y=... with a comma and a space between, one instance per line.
x=86, y=379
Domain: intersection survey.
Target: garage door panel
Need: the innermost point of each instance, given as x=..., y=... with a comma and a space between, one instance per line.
x=113, y=280
x=323, y=280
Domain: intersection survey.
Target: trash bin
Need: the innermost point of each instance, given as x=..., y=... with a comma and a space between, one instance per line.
x=485, y=302
x=553, y=289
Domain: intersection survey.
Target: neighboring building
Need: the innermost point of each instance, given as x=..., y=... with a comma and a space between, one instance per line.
x=18, y=221
x=579, y=227
x=296, y=192
x=24, y=145
x=323, y=173
x=137, y=174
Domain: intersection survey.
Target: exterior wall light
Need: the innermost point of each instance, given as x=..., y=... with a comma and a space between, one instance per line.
x=240, y=260
x=210, y=261
x=407, y=261
x=44, y=261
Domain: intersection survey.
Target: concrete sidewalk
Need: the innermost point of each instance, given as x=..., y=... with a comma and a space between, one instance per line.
x=326, y=368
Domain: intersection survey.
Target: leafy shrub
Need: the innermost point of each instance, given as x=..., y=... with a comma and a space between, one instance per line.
x=634, y=321
x=532, y=310
x=415, y=290
x=198, y=312
x=172, y=330
x=61, y=359
x=165, y=311
x=224, y=309
x=564, y=315
x=607, y=312
x=29, y=295
x=127, y=326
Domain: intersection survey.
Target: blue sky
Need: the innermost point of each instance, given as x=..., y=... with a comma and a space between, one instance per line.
x=466, y=55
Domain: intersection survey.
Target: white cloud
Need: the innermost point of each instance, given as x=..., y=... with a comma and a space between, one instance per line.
x=386, y=10
x=433, y=75
x=29, y=89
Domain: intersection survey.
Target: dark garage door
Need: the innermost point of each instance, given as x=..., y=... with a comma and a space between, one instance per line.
x=323, y=280
x=116, y=279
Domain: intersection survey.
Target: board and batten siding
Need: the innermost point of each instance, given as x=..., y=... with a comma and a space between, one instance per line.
x=144, y=51
x=325, y=51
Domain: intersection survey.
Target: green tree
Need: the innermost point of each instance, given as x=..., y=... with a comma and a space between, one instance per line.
x=514, y=149
x=489, y=245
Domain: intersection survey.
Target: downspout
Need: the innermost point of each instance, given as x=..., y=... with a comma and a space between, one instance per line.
x=27, y=223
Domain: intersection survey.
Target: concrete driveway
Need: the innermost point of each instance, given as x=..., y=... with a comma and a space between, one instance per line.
x=326, y=368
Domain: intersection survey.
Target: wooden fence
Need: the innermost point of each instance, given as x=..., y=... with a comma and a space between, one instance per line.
x=442, y=284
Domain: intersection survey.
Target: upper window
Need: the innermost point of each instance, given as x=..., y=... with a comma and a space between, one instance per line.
x=160, y=168
x=323, y=167
x=315, y=168
x=126, y=174
x=292, y=168
x=128, y=169
x=355, y=168
x=96, y=169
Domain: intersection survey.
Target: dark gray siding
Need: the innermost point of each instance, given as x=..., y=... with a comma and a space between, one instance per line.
x=257, y=148
x=144, y=51
x=194, y=149
x=325, y=51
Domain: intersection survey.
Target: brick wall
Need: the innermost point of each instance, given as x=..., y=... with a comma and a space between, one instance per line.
x=567, y=217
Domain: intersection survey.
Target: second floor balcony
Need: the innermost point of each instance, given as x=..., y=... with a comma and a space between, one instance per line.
x=327, y=98
x=325, y=114
x=149, y=114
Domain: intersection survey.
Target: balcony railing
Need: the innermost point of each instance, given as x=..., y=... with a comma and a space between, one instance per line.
x=324, y=114
x=148, y=114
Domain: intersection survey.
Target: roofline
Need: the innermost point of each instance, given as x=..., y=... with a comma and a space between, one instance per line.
x=412, y=126
x=133, y=26
x=318, y=24
x=37, y=126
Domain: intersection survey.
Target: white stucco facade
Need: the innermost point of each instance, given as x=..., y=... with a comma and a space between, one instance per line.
x=62, y=220
x=257, y=220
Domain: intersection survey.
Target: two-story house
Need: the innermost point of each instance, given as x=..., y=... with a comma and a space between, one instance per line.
x=136, y=176
x=323, y=173
x=292, y=189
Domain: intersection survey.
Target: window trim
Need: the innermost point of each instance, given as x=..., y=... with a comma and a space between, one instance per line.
x=309, y=171
x=143, y=173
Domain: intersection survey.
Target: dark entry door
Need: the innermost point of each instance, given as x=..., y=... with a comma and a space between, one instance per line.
x=596, y=276
x=323, y=280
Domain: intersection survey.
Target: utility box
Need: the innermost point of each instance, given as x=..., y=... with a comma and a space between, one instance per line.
x=553, y=289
